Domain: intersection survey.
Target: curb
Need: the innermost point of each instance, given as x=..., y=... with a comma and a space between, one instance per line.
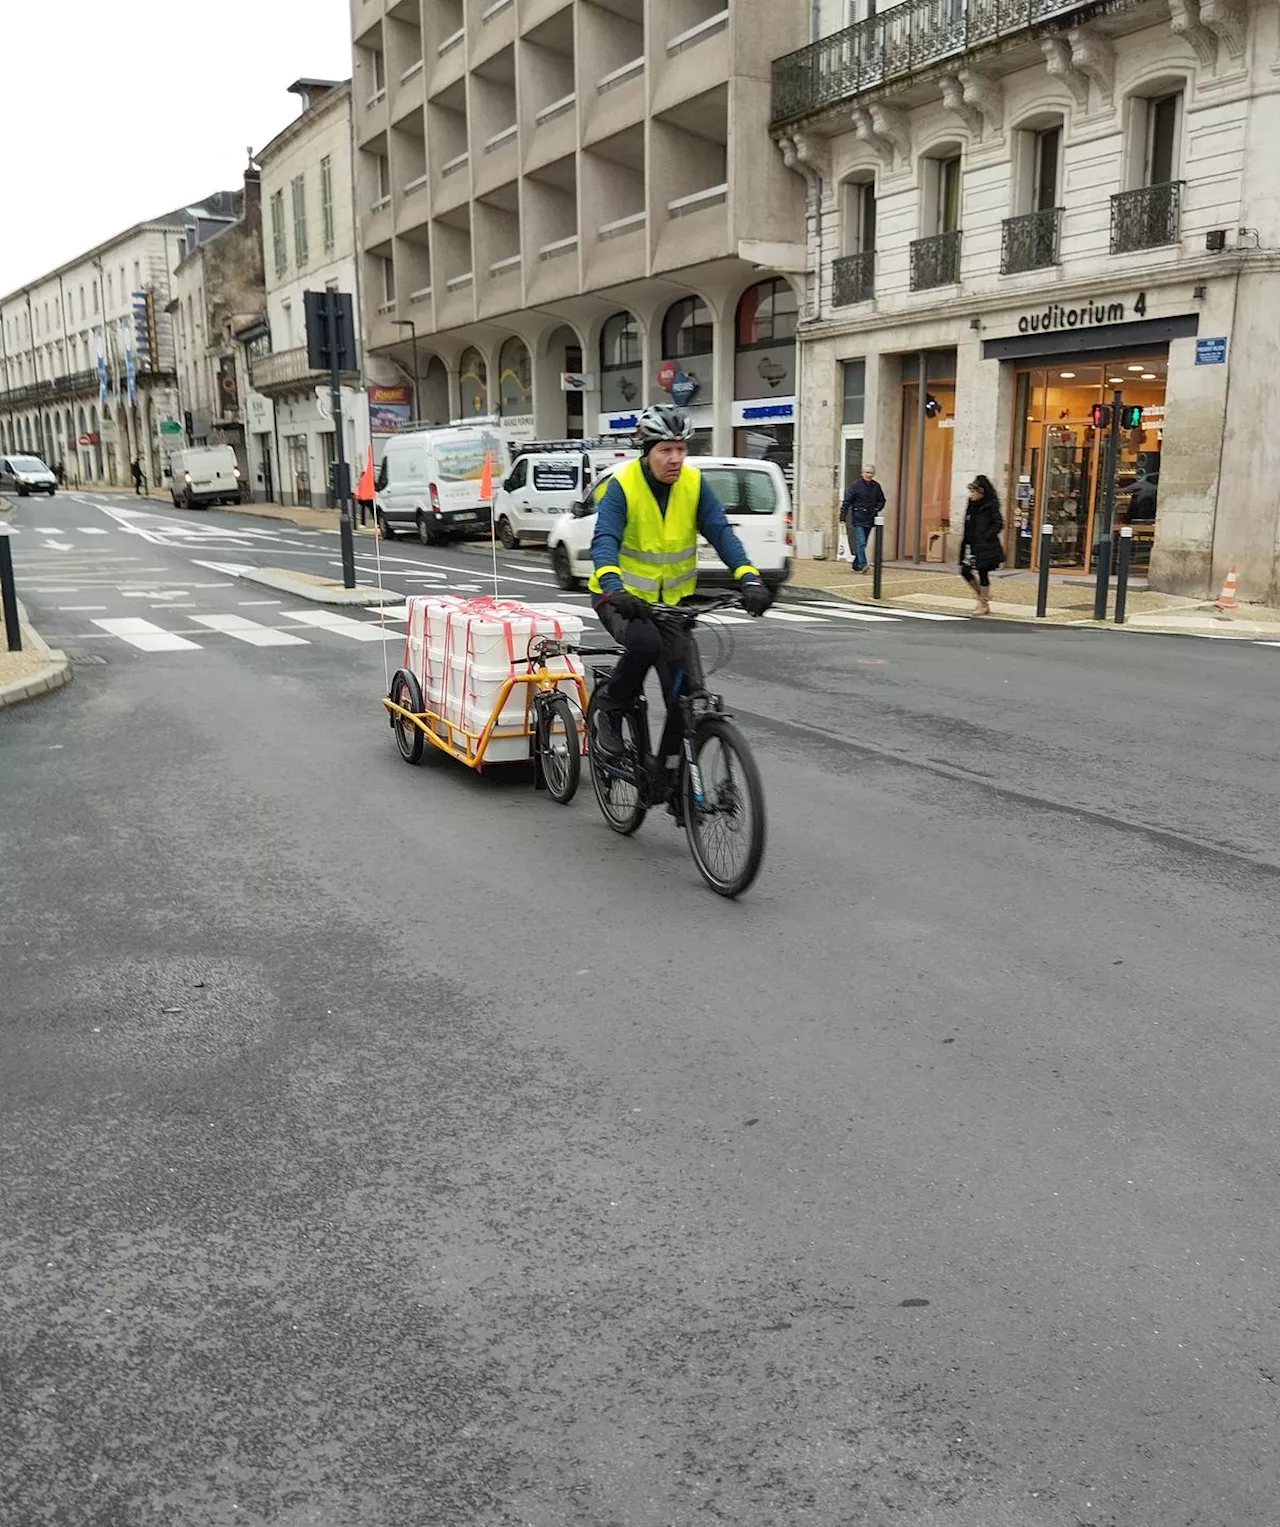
x=55, y=673
x=318, y=593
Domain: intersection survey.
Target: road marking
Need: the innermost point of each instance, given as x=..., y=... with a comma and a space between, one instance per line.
x=824, y=606
x=389, y=611
x=84, y=609
x=245, y=630
x=146, y=636
x=75, y=590
x=212, y=585
x=58, y=546
x=246, y=602
x=92, y=530
x=721, y=619
x=799, y=620
x=343, y=625
x=830, y=612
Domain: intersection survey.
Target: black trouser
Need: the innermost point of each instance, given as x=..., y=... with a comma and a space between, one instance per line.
x=647, y=645
x=976, y=577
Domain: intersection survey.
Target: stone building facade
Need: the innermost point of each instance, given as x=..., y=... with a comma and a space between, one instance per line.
x=1015, y=213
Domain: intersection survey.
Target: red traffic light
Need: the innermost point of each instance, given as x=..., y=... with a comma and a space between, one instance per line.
x=1101, y=415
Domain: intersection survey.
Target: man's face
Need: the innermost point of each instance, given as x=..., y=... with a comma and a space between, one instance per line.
x=666, y=458
x=868, y=473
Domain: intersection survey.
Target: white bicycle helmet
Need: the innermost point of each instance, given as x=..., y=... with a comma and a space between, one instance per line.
x=663, y=421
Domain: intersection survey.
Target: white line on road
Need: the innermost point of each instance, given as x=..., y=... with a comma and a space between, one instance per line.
x=146, y=636
x=212, y=585
x=830, y=612
x=83, y=609
x=799, y=620
x=75, y=590
x=814, y=604
x=246, y=630
x=246, y=602
x=92, y=530
x=343, y=625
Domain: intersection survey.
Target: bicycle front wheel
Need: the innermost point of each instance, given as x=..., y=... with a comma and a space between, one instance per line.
x=620, y=802
x=724, y=811
x=560, y=748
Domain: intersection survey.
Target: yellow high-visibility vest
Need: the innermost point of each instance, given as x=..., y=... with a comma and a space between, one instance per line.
x=658, y=558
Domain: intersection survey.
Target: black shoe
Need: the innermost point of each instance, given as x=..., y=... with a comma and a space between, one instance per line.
x=609, y=737
x=675, y=809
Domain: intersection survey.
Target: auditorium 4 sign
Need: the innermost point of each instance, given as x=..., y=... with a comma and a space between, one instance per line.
x=1058, y=315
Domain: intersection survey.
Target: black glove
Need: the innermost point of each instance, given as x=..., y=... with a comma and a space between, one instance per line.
x=629, y=606
x=756, y=597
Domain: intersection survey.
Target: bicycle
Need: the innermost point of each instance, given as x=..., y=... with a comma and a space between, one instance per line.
x=705, y=772
x=557, y=736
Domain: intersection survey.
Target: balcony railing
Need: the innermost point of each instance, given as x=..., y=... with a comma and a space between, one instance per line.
x=853, y=279
x=935, y=261
x=60, y=387
x=284, y=368
x=1147, y=218
x=1030, y=242
x=895, y=44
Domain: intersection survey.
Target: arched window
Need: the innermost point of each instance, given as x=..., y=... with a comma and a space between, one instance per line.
x=688, y=339
x=767, y=314
x=621, y=361
x=515, y=379
x=473, y=379
x=765, y=370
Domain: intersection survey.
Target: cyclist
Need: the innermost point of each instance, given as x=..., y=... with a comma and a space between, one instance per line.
x=645, y=550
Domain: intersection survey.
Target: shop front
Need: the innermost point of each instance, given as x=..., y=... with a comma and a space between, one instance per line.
x=928, y=384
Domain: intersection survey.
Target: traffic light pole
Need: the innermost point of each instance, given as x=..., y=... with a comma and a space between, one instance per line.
x=341, y=482
x=1108, y=513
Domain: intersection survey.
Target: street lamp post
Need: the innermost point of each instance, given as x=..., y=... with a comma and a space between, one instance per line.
x=408, y=323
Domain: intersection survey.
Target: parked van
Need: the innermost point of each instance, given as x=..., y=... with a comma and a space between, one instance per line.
x=755, y=497
x=546, y=480
x=429, y=481
x=204, y=474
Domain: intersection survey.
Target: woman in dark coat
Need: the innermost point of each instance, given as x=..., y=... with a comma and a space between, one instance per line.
x=980, y=551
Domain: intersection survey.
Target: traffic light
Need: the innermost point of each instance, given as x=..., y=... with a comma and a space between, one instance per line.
x=1131, y=416
x=1101, y=415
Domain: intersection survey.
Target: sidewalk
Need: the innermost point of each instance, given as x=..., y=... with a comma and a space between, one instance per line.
x=1070, y=602
x=36, y=670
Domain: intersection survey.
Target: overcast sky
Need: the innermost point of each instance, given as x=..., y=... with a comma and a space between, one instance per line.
x=113, y=111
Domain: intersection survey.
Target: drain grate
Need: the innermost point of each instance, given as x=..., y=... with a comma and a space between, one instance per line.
x=84, y=659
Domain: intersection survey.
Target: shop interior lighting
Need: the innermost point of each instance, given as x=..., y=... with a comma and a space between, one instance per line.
x=1148, y=376
x=1135, y=368
x=1067, y=376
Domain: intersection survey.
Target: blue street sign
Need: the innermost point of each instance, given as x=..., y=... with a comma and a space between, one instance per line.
x=1211, y=352
x=684, y=388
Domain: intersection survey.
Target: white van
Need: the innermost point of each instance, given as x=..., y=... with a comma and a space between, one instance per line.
x=429, y=481
x=204, y=474
x=755, y=497
x=546, y=481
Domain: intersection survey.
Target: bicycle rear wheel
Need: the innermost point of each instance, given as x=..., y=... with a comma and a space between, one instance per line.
x=619, y=800
x=560, y=748
x=726, y=827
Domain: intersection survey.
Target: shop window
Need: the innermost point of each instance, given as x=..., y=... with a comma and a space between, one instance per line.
x=621, y=361
x=765, y=351
x=687, y=339
x=855, y=392
x=515, y=379
x=473, y=378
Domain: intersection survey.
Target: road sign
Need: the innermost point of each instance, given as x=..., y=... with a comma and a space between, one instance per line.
x=1211, y=352
x=170, y=427
x=666, y=375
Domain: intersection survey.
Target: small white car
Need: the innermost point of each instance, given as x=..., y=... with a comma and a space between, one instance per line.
x=545, y=482
x=27, y=474
x=755, y=497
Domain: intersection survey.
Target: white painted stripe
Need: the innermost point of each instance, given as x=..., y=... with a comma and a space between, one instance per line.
x=343, y=625
x=92, y=530
x=1266, y=644
x=799, y=620
x=212, y=585
x=877, y=609
x=245, y=630
x=66, y=609
x=75, y=590
x=145, y=636
x=245, y=603
x=389, y=611
x=831, y=613
x=719, y=618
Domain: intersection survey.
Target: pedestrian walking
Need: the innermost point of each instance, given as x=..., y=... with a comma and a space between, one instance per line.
x=138, y=479
x=863, y=500
x=981, y=551
x=60, y=472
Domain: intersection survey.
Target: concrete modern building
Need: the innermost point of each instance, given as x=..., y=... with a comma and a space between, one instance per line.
x=577, y=208
x=87, y=359
x=1014, y=212
x=308, y=244
x=217, y=291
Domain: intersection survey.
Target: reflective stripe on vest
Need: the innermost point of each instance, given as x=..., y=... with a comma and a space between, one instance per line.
x=658, y=558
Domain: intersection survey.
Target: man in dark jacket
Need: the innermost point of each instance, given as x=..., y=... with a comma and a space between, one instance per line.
x=863, y=500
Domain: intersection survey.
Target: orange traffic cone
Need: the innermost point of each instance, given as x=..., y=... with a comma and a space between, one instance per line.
x=1227, y=599
x=486, y=479
x=364, y=488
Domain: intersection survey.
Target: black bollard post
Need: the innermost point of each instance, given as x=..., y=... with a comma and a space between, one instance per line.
x=1042, y=591
x=1122, y=571
x=8, y=594
x=877, y=559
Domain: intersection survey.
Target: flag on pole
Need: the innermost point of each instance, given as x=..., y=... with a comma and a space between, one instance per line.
x=364, y=488
x=486, y=479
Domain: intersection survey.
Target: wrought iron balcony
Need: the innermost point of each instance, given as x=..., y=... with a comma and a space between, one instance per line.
x=897, y=43
x=285, y=371
x=935, y=261
x=1146, y=218
x=60, y=387
x=1030, y=242
x=853, y=279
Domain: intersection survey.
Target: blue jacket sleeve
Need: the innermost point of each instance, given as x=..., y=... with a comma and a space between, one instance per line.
x=714, y=524
x=606, y=542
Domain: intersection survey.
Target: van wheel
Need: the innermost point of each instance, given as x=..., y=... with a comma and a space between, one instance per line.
x=427, y=532
x=506, y=535
x=385, y=530
x=561, y=567
x=23, y=490
x=188, y=500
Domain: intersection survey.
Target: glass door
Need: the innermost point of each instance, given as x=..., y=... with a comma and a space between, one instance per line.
x=1068, y=486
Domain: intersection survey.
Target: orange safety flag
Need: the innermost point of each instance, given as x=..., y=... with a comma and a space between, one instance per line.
x=364, y=488
x=486, y=479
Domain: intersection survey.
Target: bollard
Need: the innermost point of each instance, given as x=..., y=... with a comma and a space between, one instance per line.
x=8, y=594
x=1122, y=571
x=1042, y=591
x=877, y=559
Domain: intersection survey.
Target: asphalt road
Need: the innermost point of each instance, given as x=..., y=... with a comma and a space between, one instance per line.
x=388, y=1147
